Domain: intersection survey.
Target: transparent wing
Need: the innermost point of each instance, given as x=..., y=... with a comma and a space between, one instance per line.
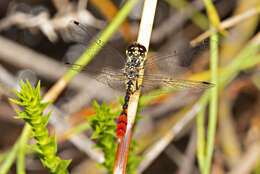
x=86, y=35
x=169, y=84
x=159, y=69
x=116, y=80
x=110, y=77
x=167, y=64
x=155, y=58
x=174, y=62
x=80, y=33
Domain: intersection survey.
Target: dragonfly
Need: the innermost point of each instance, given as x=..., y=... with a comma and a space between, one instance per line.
x=126, y=78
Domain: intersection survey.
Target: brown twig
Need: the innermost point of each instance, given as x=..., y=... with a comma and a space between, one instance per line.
x=152, y=152
x=49, y=26
x=190, y=155
x=110, y=11
x=144, y=36
x=175, y=21
x=226, y=24
x=248, y=161
x=47, y=67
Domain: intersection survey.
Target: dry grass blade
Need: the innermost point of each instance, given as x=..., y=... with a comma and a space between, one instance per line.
x=226, y=24
x=144, y=36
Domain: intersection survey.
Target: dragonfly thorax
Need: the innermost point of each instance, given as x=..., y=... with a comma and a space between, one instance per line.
x=135, y=61
x=131, y=72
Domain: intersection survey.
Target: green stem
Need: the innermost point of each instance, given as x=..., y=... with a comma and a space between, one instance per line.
x=201, y=131
x=205, y=156
x=9, y=160
x=213, y=103
x=3, y=156
x=251, y=62
x=231, y=71
x=212, y=13
x=12, y=154
x=87, y=56
x=22, y=150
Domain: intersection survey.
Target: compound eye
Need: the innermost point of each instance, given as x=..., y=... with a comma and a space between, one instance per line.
x=130, y=51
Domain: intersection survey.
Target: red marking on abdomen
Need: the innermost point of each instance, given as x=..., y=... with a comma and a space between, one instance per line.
x=121, y=124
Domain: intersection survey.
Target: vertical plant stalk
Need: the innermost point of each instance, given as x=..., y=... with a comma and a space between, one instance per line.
x=229, y=73
x=7, y=163
x=213, y=15
x=205, y=150
x=213, y=103
x=201, y=131
x=20, y=165
x=144, y=36
x=18, y=150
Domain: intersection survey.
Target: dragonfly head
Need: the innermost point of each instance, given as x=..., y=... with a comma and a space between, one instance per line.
x=136, y=50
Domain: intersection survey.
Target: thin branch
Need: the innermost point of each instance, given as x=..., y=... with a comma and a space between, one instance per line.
x=176, y=20
x=144, y=36
x=154, y=151
x=213, y=103
x=110, y=11
x=47, y=67
x=7, y=163
x=185, y=161
x=205, y=156
x=248, y=161
x=6, y=77
x=80, y=140
x=175, y=155
x=226, y=77
x=190, y=155
x=48, y=25
x=226, y=24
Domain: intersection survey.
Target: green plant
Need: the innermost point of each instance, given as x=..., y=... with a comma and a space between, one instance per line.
x=104, y=126
x=46, y=147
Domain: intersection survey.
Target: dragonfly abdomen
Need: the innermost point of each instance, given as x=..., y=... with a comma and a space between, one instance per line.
x=122, y=124
x=122, y=120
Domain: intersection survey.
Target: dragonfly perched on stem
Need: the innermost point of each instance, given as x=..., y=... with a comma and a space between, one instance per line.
x=126, y=78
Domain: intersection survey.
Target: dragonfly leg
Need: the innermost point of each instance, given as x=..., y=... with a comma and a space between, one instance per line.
x=136, y=87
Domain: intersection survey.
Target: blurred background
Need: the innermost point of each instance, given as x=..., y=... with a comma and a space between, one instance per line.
x=38, y=42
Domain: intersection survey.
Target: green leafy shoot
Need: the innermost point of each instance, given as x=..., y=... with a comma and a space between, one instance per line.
x=104, y=126
x=46, y=147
